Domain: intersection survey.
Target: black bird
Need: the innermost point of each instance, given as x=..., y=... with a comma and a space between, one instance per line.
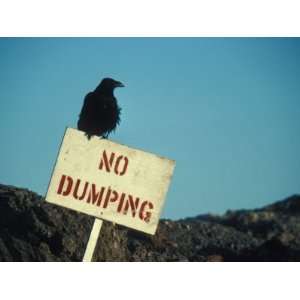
x=100, y=113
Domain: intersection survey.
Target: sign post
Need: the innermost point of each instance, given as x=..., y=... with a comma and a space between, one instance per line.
x=89, y=251
x=111, y=182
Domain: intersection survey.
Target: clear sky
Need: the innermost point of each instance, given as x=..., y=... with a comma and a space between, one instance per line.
x=226, y=109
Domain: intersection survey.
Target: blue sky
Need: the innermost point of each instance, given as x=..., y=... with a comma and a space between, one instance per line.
x=226, y=109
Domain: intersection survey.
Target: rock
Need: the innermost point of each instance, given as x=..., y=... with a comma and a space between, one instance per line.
x=33, y=230
x=215, y=258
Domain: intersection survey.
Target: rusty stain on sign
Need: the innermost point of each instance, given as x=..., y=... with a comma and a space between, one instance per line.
x=110, y=181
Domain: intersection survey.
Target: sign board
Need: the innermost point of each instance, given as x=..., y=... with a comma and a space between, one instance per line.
x=110, y=181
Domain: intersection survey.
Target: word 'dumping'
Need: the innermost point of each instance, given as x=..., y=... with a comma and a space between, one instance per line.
x=104, y=197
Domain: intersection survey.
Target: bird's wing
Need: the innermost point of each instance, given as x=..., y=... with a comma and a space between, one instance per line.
x=95, y=108
x=99, y=114
x=88, y=104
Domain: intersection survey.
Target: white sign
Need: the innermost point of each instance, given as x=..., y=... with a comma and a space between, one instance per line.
x=110, y=181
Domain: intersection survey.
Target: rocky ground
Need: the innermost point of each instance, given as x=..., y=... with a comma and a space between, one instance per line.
x=33, y=230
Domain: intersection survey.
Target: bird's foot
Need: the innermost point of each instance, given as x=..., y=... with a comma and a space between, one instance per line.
x=88, y=135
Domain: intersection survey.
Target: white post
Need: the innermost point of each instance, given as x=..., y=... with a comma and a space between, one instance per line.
x=89, y=251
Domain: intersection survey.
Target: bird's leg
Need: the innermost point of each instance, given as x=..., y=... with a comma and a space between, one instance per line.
x=88, y=135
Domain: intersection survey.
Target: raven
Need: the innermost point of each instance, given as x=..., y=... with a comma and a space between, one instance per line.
x=100, y=113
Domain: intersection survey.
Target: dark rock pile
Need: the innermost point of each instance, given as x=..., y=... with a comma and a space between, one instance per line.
x=33, y=230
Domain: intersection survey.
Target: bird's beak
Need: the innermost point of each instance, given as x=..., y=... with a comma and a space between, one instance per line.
x=119, y=84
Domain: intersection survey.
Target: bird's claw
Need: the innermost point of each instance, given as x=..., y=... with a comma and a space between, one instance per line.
x=88, y=136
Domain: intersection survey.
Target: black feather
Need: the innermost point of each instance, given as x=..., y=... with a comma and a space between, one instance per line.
x=100, y=113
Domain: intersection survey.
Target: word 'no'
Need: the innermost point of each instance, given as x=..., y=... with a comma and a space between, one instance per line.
x=116, y=163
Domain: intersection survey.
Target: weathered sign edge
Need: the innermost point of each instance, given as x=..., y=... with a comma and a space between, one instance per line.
x=54, y=166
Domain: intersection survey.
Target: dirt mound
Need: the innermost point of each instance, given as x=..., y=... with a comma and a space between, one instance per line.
x=33, y=230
